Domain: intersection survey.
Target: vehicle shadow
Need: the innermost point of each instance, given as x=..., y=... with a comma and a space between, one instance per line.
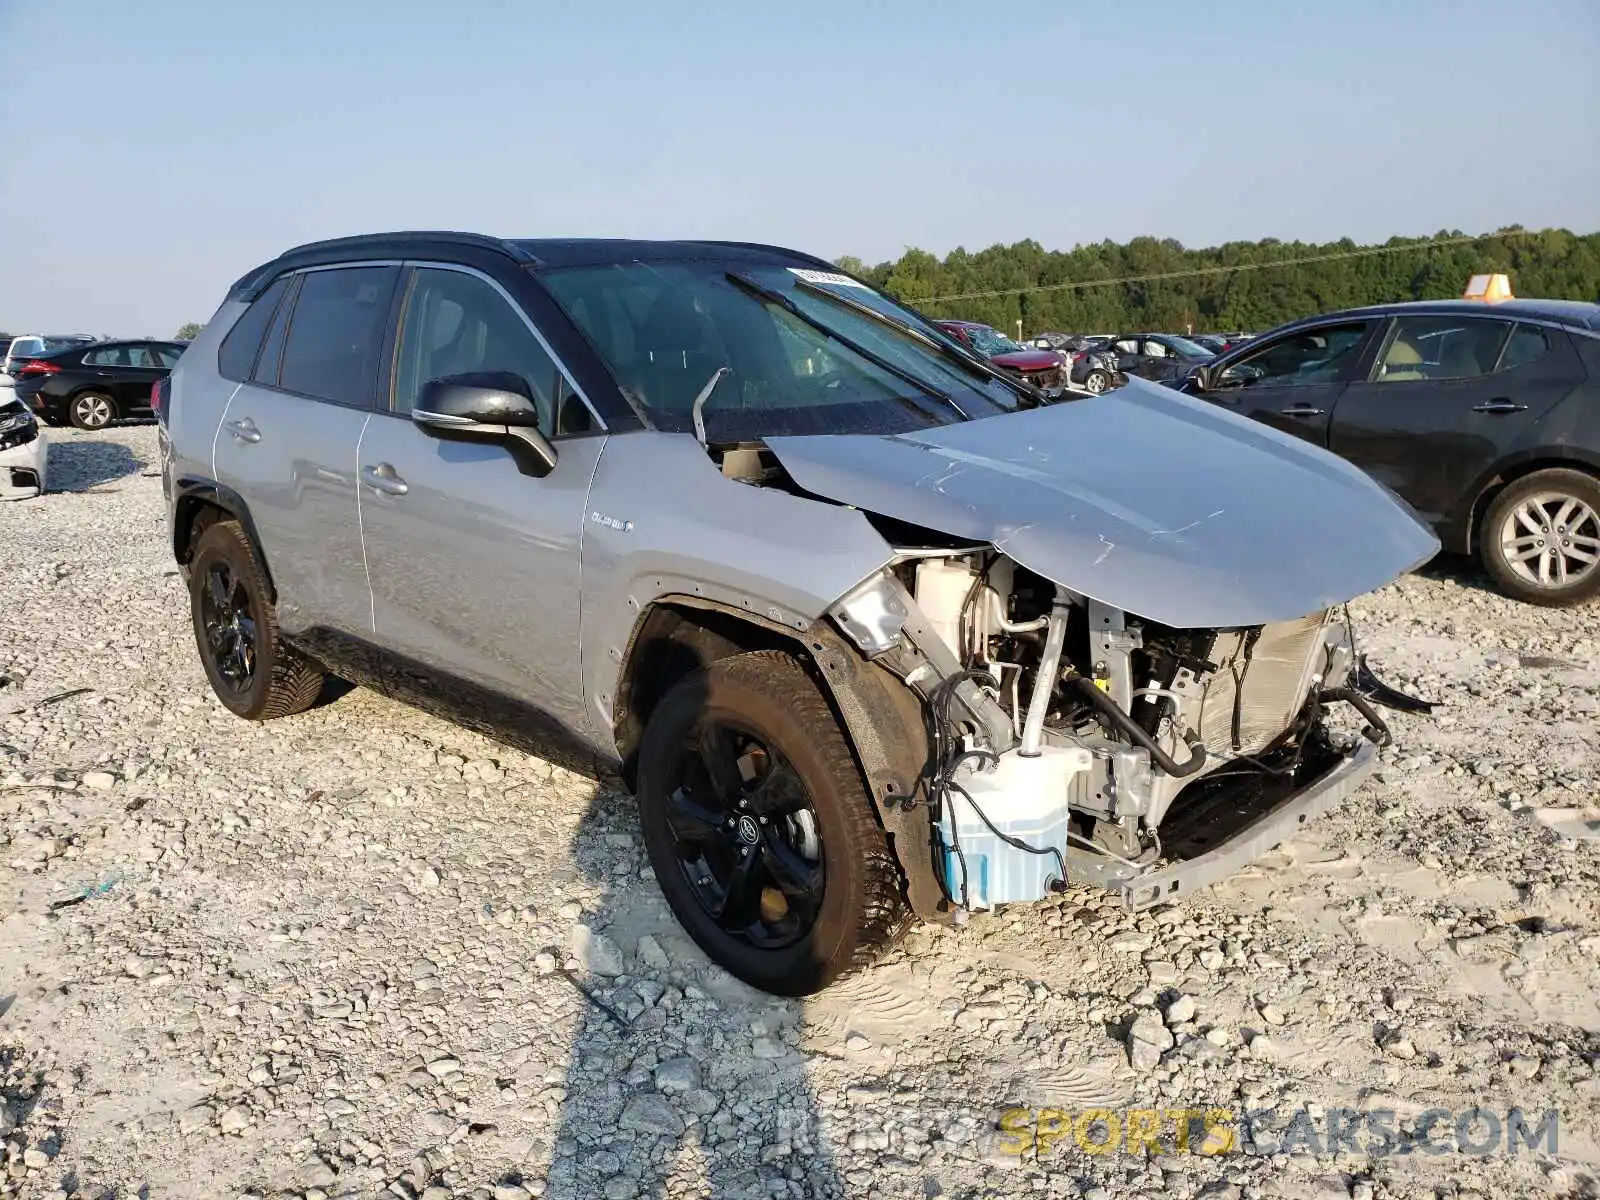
x=78, y=464
x=680, y=1076
x=1461, y=569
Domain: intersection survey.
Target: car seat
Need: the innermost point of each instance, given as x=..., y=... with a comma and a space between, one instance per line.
x=1403, y=362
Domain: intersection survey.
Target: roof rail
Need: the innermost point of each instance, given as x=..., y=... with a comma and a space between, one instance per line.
x=249, y=285
x=480, y=240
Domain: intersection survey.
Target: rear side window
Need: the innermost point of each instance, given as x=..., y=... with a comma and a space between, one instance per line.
x=109, y=356
x=332, y=349
x=237, y=353
x=1528, y=343
x=168, y=356
x=1441, y=348
x=272, y=349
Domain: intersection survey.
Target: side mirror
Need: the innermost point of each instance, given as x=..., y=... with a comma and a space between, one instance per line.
x=487, y=406
x=1200, y=377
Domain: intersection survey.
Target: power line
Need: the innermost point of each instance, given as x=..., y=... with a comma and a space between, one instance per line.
x=1368, y=252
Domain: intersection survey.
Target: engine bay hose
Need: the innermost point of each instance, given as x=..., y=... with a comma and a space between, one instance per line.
x=1104, y=704
x=1377, y=731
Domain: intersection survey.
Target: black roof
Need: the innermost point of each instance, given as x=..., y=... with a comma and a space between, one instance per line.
x=526, y=252
x=1574, y=314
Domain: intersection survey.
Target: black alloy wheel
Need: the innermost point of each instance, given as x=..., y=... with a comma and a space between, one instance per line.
x=747, y=836
x=230, y=625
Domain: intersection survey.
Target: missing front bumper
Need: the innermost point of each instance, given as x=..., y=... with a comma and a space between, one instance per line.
x=1272, y=828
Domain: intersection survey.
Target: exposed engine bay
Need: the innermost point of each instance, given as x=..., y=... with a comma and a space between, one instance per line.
x=1069, y=737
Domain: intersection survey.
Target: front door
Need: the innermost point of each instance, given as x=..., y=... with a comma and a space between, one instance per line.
x=475, y=565
x=1447, y=397
x=288, y=443
x=1293, y=381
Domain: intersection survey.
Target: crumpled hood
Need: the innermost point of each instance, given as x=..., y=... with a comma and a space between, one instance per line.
x=1144, y=499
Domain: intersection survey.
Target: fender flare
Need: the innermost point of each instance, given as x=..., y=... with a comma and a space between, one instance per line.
x=191, y=494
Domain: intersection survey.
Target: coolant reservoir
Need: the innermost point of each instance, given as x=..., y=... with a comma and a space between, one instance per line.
x=943, y=585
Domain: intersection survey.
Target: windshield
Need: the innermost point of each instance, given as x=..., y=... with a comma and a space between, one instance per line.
x=798, y=358
x=989, y=342
x=1187, y=348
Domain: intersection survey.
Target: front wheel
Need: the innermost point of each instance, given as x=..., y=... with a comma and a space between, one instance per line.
x=1096, y=382
x=92, y=410
x=1541, y=537
x=759, y=828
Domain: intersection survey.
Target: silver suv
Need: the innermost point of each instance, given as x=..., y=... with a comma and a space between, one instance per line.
x=869, y=628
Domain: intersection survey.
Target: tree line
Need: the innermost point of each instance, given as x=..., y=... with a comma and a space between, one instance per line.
x=1236, y=286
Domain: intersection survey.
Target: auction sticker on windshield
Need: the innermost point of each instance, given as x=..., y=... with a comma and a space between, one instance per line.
x=830, y=277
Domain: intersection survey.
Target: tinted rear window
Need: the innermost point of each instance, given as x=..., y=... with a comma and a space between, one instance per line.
x=238, y=351
x=334, y=337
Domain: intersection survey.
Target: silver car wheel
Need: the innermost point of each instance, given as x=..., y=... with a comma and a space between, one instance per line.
x=93, y=412
x=1551, y=539
x=1095, y=383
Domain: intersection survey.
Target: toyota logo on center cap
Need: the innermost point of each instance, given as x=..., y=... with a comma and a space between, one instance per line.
x=749, y=831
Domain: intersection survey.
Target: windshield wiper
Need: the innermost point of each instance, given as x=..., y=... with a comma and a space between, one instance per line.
x=954, y=353
x=697, y=409
x=877, y=360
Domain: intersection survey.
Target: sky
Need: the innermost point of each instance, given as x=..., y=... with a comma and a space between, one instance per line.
x=157, y=151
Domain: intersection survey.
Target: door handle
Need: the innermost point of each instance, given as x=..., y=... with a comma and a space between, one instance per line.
x=1500, y=405
x=1302, y=410
x=244, y=431
x=384, y=478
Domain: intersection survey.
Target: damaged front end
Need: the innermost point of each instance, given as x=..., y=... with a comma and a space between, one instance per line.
x=1073, y=742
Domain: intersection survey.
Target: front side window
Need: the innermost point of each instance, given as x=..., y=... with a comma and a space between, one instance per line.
x=332, y=349
x=1154, y=350
x=803, y=351
x=458, y=324
x=1310, y=356
x=1441, y=348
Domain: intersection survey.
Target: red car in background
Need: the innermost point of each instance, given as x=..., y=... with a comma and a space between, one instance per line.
x=1042, y=368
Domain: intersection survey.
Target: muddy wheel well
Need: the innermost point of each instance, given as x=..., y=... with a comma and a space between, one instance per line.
x=672, y=642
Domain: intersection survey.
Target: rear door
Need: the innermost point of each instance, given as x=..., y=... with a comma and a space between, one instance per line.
x=474, y=565
x=1446, y=398
x=288, y=440
x=134, y=383
x=1293, y=381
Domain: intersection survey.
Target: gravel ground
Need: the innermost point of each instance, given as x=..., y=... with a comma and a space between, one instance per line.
x=362, y=951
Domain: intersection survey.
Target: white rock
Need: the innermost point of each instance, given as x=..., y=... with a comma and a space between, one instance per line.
x=1181, y=1010
x=99, y=780
x=595, y=952
x=235, y=1119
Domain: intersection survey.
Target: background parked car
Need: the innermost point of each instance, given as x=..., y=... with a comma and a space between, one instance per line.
x=33, y=345
x=1042, y=368
x=93, y=385
x=22, y=451
x=1161, y=357
x=1485, y=418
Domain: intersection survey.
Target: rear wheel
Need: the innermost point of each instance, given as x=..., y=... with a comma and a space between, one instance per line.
x=1096, y=382
x=92, y=410
x=759, y=829
x=251, y=669
x=1541, y=537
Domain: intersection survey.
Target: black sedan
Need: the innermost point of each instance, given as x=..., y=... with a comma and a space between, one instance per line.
x=1162, y=357
x=1486, y=418
x=93, y=385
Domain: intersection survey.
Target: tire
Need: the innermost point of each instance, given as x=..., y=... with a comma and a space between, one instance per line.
x=1096, y=382
x=770, y=709
x=92, y=410
x=226, y=581
x=1557, y=511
